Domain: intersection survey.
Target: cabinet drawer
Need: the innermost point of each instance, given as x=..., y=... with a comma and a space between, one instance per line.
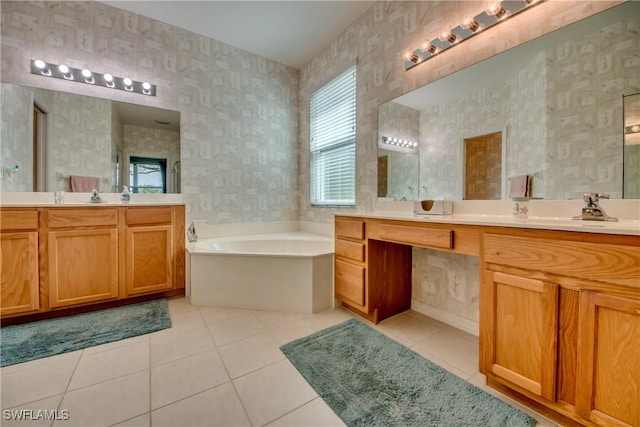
x=415, y=236
x=350, y=228
x=350, y=282
x=614, y=264
x=349, y=249
x=155, y=215
x=18, y=220
x=79, y=217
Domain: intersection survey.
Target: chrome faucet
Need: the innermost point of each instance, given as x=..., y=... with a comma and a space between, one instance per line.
x=95, y=196
x=593, y=211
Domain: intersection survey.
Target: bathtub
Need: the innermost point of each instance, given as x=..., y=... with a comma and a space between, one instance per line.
x=275, y=271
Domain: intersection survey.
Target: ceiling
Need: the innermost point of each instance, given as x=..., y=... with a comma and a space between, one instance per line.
x=288, y=32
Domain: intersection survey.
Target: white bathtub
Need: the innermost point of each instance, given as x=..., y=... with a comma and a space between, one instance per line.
x=276, y=271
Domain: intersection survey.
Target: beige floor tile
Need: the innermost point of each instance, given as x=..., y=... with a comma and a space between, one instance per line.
x=21, y=417
x=454, y=346
x=276, y=319
x=330, y=317
x=274, y=391
x=288, y=333
x=107, y=403
x=178, y=344
x=408, y=328
x=116, y=344
x=218, y=406
x=235, y=329
x=185, y=377
x=443, y=364
x=73, y=355
x=41, y=381
x=220, y=314
x=143, y=420
x=253, y=353
x=186, y=320
x=180, y=305
x=314, y=414
x=109, y=364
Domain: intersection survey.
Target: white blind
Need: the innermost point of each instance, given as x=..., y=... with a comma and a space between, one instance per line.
x=333, y=141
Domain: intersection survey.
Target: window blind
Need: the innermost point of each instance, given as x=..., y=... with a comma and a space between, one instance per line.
x=333, y=141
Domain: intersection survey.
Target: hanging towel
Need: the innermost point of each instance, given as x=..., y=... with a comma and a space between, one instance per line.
x=519, y=186
x=84, y=184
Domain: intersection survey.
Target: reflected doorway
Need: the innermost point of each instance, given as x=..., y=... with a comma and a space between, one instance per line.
x=39, y=148
x=483, y=167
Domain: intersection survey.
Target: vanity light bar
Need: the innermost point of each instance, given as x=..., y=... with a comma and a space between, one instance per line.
x=398, y=142
x=64, y=72
x=494, y=14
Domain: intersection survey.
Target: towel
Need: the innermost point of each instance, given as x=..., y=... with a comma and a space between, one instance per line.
x=84, y=184
x=520, y=186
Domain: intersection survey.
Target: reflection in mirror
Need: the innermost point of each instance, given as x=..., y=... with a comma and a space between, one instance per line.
x=54, y=135
x=398, y=167
x=556, y=98
x=631, y=106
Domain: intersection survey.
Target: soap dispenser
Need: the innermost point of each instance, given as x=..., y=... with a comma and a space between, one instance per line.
x=125, y=197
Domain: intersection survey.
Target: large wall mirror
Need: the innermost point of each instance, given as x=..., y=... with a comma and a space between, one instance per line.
x=48, y=136
x=631, y=105
x=553, y=108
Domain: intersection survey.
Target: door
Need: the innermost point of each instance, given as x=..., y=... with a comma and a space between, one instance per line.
x=149, y=260
x=20, y=277
x=609, y=369
x=523, y=328
x=483, y=167
x=83, y=266
x=383, y=168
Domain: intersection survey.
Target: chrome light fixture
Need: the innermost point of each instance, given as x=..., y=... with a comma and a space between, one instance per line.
x=492, y=15
x=399, y=142
x=65, y=72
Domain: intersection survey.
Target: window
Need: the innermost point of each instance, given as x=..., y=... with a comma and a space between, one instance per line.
x=147, y=175
x=333, y=142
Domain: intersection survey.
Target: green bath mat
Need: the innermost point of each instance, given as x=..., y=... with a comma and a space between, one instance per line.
x=30, y=341
x=371, y=380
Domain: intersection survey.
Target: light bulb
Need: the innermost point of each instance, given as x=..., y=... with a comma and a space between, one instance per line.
x=127, y=81
x=495, y=10
x=40, y=64
x=86, y=73
x=63, y=69
x=428, y=47
x=470, y=24
x=447, y=37
x=108, y=78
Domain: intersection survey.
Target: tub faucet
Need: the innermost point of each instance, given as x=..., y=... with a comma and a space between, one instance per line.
x=95, y=196
x=593, y=211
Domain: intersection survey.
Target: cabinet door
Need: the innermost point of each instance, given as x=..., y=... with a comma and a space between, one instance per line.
x=149, y=260
x=83, y=266
x=522, y=340
x=609, y=367
x=20, y=278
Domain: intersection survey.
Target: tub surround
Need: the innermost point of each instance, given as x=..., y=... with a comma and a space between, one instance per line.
x=61, y=259
x=286, y=271
x=544, y=286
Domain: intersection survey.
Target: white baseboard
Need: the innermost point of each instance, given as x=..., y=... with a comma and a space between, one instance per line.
x=458, y=322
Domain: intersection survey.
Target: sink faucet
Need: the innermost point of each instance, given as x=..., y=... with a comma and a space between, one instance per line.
x=95, y=196
x=593, y=211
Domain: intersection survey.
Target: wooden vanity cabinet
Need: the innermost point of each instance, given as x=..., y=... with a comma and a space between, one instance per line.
x=19, y=256
x=62, y=257
x=560, y=321
x=82, y=255
x=350, y=268
x=149, y=245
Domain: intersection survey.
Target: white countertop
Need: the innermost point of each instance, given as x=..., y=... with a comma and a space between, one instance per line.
x=46, y=199
x=546, y=215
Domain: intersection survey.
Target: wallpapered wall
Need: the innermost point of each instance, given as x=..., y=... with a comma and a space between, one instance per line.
x=244, y=119
x=239, y=111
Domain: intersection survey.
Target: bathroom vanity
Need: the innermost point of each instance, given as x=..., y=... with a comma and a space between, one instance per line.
x=559, y=303
x=59, y=259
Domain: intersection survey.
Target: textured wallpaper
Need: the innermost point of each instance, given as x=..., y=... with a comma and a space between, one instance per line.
x=239, y=111
x=16, y=112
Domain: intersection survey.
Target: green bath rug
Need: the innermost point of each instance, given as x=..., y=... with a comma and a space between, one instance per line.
x=370, y=380
x=35, y=340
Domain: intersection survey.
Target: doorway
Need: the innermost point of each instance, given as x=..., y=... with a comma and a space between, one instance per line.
x=39, y=149
x=483, y=167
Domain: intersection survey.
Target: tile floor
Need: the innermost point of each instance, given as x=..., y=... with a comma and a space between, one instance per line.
x=214, y=367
